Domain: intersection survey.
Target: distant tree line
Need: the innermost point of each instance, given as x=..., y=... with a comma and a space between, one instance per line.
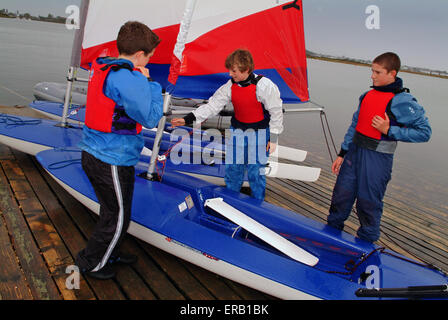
x=344, y=59
x=4, y=13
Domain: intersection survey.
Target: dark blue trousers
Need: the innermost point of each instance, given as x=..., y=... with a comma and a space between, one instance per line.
x=363, y=177
x=114, y=188
x=246, y=151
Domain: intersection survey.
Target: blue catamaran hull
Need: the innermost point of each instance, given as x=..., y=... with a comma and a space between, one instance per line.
x=178, y=221
x=31, y=135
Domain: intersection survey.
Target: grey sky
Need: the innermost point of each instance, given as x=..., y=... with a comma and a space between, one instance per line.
x=417, y=30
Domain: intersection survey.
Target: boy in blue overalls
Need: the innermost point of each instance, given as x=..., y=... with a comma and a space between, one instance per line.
x=255, y=125
x=386, y=114
x=121, y=97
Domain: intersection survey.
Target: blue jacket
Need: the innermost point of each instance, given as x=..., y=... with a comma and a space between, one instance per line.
x=410, y=123
x=142, y=101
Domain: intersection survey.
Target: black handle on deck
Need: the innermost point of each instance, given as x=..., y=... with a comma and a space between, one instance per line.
x=436, y=291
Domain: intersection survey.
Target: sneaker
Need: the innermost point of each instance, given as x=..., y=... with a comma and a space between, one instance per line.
x=123, y=258
x=104, y=273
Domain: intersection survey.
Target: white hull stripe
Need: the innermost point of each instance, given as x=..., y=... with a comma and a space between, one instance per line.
x=118, y=194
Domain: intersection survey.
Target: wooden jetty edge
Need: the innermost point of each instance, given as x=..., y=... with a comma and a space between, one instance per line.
x=42, y=228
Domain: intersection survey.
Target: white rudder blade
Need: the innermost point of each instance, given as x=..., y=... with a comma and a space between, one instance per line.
x=274, y=239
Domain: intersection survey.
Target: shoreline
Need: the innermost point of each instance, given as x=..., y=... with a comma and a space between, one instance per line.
x=355, y=63
x=57, y=19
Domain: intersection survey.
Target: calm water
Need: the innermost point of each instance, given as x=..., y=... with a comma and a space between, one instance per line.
x=32, y=52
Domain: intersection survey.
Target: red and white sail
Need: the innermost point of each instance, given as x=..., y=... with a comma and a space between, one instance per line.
x=210, y=30
x=198, y=35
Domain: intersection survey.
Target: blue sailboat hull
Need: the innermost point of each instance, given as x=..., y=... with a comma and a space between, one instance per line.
x=31, y=135
x=177, y=221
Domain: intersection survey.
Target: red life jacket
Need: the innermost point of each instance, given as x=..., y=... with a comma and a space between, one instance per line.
x=245, y=104
x=374, y=103
x=102, y=113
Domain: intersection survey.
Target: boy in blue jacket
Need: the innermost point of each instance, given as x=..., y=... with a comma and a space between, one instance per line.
x=121, y=98
x=386, y=114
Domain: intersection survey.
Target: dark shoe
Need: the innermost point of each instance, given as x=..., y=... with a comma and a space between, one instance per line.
x=104, y=273
x=123, y=258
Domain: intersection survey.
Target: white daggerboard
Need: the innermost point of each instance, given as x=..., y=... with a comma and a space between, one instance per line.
x=283, y=245
x=288, y=153
x=291, y=171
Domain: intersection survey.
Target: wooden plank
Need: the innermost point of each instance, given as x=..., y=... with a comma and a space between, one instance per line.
x=131, y=284
x=40, y=282
x=303, y=205
x=5, y=153
x=154, y=277
x=213, y=282
x=74, y=235
x=13, y=285
x=247, y=293
x=184, y=280
x=43, y=224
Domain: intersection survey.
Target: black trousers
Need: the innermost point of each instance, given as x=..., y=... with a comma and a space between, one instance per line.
x=114, y=188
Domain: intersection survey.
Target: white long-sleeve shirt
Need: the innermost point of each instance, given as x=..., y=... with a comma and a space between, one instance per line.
x=267, y=93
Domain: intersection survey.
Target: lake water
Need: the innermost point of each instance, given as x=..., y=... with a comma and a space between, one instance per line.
x=32, y=52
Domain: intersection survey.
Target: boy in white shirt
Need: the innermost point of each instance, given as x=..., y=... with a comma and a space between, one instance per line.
x=256, y=124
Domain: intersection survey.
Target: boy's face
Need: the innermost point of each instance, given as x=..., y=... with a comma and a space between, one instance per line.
x=382, y=77
x=237, y=75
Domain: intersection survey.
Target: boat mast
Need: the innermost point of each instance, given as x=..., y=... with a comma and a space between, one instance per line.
x=75, y=59
x=151, y=173
x=178, y=49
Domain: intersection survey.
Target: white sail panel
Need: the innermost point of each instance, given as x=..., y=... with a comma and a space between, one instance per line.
x=105, y=17
x=209, y=15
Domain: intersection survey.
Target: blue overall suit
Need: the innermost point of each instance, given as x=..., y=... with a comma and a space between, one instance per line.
x=367, y=165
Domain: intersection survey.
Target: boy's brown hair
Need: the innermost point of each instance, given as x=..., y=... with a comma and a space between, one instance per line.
x=389, y=60
x=135, y=36
x=242, y=59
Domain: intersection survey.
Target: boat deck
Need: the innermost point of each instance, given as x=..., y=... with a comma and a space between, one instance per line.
x=42, y=228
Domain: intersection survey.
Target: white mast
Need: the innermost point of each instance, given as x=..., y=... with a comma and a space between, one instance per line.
x=75, y=59
x=178, y=49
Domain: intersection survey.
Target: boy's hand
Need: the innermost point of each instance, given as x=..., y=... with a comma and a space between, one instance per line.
x=382, y=125
x=177, y=122
x=144, y=71
x=337, y=165
x=271, y=146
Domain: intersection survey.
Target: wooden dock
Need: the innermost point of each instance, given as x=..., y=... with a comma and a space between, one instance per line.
x=42, y=228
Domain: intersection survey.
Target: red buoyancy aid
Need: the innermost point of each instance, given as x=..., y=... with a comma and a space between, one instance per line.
x=374, y=103
x=102, y=113
x=245, y=104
